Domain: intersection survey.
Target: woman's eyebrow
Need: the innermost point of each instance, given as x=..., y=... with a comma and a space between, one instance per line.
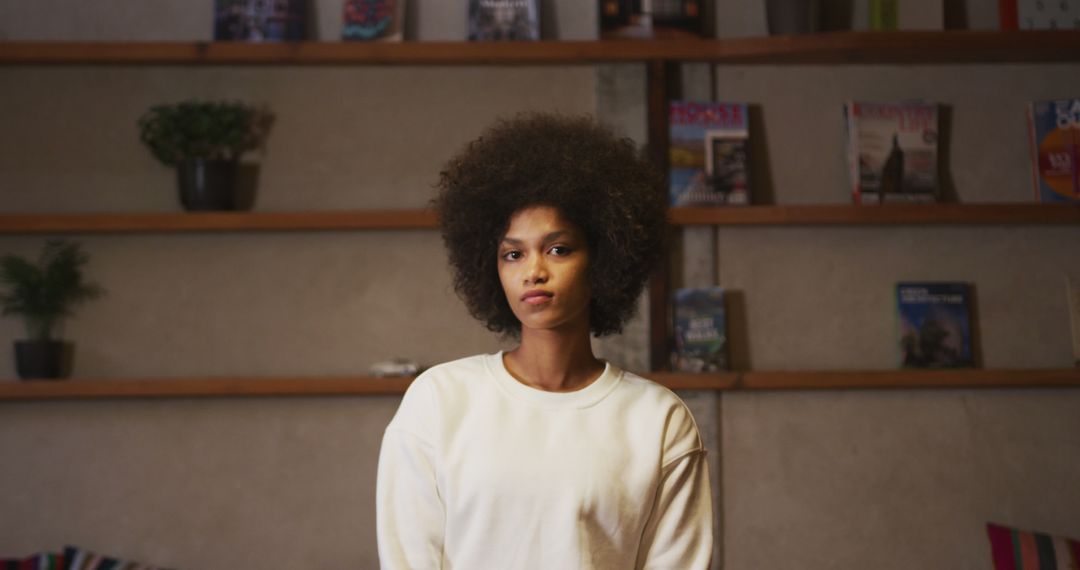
x=547, y=237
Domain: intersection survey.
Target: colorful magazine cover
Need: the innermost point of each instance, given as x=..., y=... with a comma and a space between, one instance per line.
x=260, y=20
x=700, y=330
x=1054, y=133
x=493, y=20
x=373, y=20
x=709, y=154
x=935, y=325
x=625, y=19
x=892, y=151
x=640, y=19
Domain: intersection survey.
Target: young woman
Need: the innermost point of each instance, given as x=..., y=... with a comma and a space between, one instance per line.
x=544, y=456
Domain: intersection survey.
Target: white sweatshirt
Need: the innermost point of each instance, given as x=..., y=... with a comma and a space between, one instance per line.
x=478, y=471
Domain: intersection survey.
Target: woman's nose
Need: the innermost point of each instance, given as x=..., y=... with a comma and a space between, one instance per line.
x=537, y=271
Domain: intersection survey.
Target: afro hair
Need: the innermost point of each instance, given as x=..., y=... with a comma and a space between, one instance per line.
x=596, y=179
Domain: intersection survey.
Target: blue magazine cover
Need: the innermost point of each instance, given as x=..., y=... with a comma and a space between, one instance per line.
x=493, y=20
x=373, y=20
x=700, y=330
x=1054, y=132
x=260, y=20
x=935, y=325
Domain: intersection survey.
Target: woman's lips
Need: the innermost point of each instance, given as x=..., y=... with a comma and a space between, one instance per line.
x=537, y=297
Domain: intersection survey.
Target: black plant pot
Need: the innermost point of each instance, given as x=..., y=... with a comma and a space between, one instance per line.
x=207, y=184
x=40, y=359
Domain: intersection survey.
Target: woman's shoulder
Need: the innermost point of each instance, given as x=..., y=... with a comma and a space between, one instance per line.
x=452, y=380
x=641, y=387
x=652, y=399
x=438, y=390
x=459, y=370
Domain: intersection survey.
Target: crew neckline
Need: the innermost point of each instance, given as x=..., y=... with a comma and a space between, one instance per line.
x=583, y=398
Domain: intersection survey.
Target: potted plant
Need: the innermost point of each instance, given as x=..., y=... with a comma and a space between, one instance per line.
x=44, y=294
x=204, y=141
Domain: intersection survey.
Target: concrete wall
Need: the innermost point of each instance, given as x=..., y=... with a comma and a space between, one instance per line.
x=853, y=479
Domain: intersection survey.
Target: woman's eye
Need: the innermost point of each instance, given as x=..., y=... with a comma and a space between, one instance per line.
x=560, y=250
x=511, y=255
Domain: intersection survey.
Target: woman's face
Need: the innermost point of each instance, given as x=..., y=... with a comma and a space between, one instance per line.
x=543, y=267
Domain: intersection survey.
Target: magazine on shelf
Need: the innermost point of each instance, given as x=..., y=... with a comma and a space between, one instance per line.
x=906, y=15
x=493, y=20
x=700, y=330
x=935, y=326
x=1039, y=14
x=373, y=20
x=260, y=20
x=639, y=19
x=1054, y=140
x=708, y=154
x=625, y=19
x=892, y=151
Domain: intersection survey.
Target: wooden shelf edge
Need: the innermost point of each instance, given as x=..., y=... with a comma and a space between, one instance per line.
x=871, y=379
x=960, y=214
x=370, y=386
x=894, y=214
x=216, y=221
x=200, y=388
x=911, y=47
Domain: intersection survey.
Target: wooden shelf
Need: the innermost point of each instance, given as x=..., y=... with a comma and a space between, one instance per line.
x=914, y=47
x=199, y=388
x=874, y=379
x=370, y=386
x=894, y=214
x=216, y=222
x=425, y=219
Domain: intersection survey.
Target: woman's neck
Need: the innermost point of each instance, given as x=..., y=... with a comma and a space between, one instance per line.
x=554, y=360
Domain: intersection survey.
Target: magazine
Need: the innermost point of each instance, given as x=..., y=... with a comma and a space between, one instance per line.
x=892, y=151
x=260, y=20
x=640, y=19
x=708, y=154
x=1043, y=15
x=625, y=19
x=491, y=20
x=934, y=325
x=373, y=20
x=700, y=330
x=1054, y=140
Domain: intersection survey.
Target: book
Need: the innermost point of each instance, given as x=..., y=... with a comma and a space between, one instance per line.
x=625, y=19
x=906, y=15
x=1072, y=289
x=642, y=19
x=892, y=151
x=700, y=330
x=493, y=20
x=260, y=20
x=1054, y=140
x=1039, y=14
x=935, y=327
x=708, y=154
x=373, y=20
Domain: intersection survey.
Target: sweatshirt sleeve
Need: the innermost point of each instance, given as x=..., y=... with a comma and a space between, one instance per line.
x=679, y=531
x=410, y=516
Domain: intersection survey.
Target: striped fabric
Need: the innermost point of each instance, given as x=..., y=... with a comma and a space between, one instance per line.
x=79, y=559
x=1014, y=549
x=36, y=562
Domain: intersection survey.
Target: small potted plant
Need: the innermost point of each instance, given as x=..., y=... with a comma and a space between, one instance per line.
x=204, y=141
x=44, y=294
